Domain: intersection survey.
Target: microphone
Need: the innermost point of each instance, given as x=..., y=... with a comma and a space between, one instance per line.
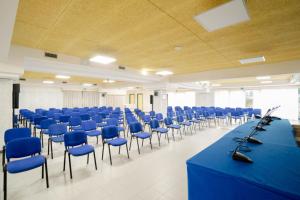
x=241, y=157
x=253, y=140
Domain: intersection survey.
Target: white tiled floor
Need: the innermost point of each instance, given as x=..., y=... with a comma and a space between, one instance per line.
x=154, y=174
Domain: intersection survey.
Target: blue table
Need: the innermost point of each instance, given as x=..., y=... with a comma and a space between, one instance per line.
x=274, y=174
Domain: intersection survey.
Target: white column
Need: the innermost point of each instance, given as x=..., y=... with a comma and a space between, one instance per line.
x=5, y=107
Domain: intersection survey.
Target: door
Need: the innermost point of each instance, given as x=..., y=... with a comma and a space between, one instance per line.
x=140, y=101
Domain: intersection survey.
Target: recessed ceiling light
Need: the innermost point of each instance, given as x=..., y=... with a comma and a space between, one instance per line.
x=62, y=76
x=103, y=59
x=253, y=60
x=263, y=77
x=144, y=72
x=266, y=82
x=87, y=84
x=48, y=82
x=164, y=73
x=225, y=15
x=178, y=48
x=216, y=85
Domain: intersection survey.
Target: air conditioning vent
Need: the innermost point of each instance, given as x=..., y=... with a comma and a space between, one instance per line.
x=122, y=67
x=50, y=55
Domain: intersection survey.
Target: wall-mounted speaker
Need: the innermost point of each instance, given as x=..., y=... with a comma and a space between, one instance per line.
x=15, y=95
x=156, y=93
x=103, y=94
x=151, y=99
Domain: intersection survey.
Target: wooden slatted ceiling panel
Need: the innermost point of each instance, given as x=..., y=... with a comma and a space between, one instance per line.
x=143, y=33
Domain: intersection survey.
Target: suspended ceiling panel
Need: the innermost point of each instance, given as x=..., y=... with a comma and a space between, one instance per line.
x=143, y=33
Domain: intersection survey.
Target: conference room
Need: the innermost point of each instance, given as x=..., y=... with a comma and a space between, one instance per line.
x=150, y=99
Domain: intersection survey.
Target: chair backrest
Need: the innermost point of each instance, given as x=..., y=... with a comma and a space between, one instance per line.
x=189, y=116
x=75, y=121
x=168, y=121
x=89, y=125
x=57, y=129
x=75, y=138
x=64, y=118
x=15, y=133
x=180, y=118
x=85, y=117
x=146, y=118
x=23, y=147
x=97, y=118
x=37, y=120
x=135, y=127
x=110, y=132
x=159, y=116
x=112, y=122
x=152, y=113
x=46, y=123
x=154, y=124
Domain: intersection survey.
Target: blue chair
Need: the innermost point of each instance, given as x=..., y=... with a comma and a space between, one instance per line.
x=154, y=125
x=99, y=120
x=85, y=117
x=90, y=128
x=56, y=134
x=28, y=151
x=44, y=125
x=37, y=123
x=159, y=117
x=75, y=123
x=110, y=136
x=64, y=119
x=12, y=134
x=170, y=125
x=115, y=122
x=152, y=114
x=184, y=123
x=136, y=131
x=76, y=145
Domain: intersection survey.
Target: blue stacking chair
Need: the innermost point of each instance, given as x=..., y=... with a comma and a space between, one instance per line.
x=136, y=131
x=110, y=136
x=56, y=134
x=191, y=119
x=154, y=125
x=27, y=152
x=85, y=117
x=159, y=117
x=64, y=119
x=146, y=119
x=75, y=123
x=76, y=145
x=90, y=128
x=44, y=125
x=170, y=125
x=12, y=134
x=184, y=123
x=37, y=123
x=152, y=114
x=115, y=122
x=99, y=120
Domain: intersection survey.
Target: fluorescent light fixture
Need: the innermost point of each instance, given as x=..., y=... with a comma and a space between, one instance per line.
x=164, y=73
x=87, y=84
x=62, y=77
x=266, y=82
x=103, y=59
x=215, y=85
x=253, y=60
x=263, y=77
x=225, y=15
x=48, y=82
x=108, y=81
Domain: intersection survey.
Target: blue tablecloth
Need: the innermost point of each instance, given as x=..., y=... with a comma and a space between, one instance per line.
x=274, y=174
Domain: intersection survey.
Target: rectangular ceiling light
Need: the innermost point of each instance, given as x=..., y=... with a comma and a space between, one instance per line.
x=225, y=15
x=103, y=59
x=253, y=60
x=62, y=77
x=263, y=77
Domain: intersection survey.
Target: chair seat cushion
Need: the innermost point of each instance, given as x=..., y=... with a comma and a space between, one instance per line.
x=93, y=133
x=121, y=128
x=161, y=130
x=57, y=139
x=76, y=128
x=176, y=126
x=117, y=141
x=186, y=123
x=25, y=164
x=81, y=150
x=142, y=135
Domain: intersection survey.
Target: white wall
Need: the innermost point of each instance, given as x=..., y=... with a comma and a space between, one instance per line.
x=287, y=98
x=205, y=99
x=5, y=107
x=160, y=103
x=230, y=98
x=181, y=99
x=32, y=96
